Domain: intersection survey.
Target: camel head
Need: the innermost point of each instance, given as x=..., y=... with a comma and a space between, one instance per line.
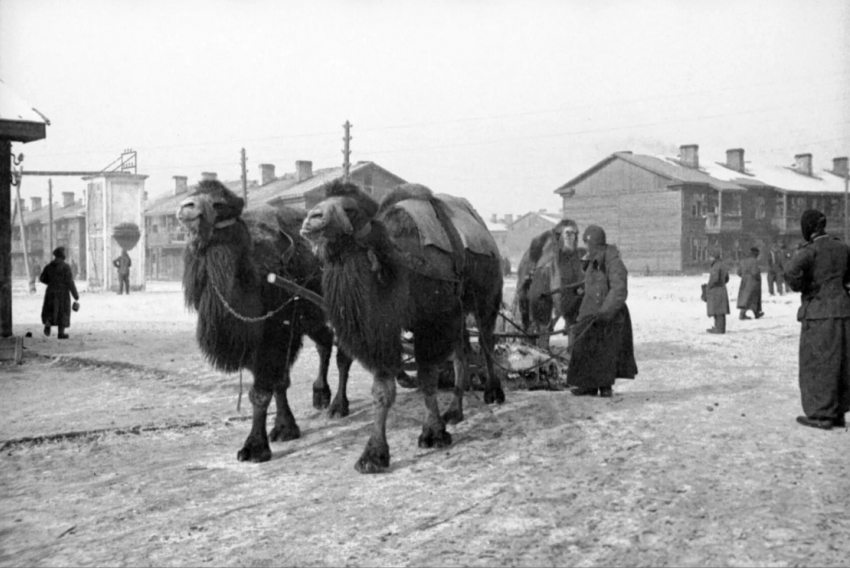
x=345, y=213
x=211, y=206
x=566, y=232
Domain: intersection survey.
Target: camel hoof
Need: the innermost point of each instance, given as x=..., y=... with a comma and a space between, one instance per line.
x=285, y=433
x=321, y=397
x=453, y=416
x=338, y=409
x=429, y=438
x=375, y=458
x=496, y=395
x=255, y=453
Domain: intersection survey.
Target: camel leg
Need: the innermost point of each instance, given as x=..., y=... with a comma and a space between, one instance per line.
x=256, y=448
x=285, y=427
x=454, y=414
x=339, y=406
x=434, y=432
x=486, y=341
x=323, y=338
x=376, y=455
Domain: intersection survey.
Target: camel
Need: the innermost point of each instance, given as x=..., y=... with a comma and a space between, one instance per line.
x=246, y=323
x=380, y=279
x=550, y=268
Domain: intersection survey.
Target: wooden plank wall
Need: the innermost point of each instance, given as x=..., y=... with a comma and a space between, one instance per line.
x=639, y=214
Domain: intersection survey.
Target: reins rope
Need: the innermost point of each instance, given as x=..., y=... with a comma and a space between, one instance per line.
x=246, y=318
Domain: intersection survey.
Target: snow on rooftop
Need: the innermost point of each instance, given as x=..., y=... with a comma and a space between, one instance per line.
x=13, y=107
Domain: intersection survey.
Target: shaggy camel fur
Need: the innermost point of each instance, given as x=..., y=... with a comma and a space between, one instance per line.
x=379, y=280
x=548, y=280
x=245, y=322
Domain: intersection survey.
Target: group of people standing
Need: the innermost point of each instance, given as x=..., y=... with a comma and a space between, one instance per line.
x=820, y=271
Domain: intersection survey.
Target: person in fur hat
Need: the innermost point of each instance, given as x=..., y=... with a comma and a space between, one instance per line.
x=820, y=271
x=604, y=346
x=56, y=309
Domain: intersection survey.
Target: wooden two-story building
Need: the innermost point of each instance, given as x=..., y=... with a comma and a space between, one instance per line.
x=666, y=213
x=300, y=189
x=69, y=231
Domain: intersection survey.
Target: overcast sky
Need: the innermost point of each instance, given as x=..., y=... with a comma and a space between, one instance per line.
x=500, y=102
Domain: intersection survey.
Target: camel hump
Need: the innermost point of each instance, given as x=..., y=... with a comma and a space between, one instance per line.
x=404, y=192
x=472, y=231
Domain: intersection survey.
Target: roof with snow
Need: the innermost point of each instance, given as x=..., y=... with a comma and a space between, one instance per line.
x=670, y=168
x=782, y=178
x=19, y=121
x=167, y=204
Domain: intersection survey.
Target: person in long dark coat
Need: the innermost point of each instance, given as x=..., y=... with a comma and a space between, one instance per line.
x=749, y=294
x=56, y=309
x=776, y=269
x=604, y=346
x=820, y=271
x=717, y=299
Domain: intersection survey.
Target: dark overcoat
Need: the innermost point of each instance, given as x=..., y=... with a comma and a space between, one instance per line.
x=749, y=294
x=56, y=309
x=717, y=299
x=820, y=271
x=604, y=345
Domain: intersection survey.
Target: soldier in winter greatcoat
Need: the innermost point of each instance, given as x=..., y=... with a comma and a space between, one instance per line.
x=820, y=271
x=717, y=299
x=56, y=309
x=749, y=294
x=604, y=347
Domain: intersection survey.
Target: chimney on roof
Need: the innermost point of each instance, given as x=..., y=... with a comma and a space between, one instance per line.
x=839, y=166
x=494, y=219
x=803, y=163
x=181, y=185
x=266, y=173
x=735, y=159
x=303, y=170
x=689, y=156
x=36, y=203
x=509, y=218
x=67, y=198
x=209, y=176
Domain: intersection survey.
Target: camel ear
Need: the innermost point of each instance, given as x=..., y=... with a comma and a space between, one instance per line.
x=239, y=205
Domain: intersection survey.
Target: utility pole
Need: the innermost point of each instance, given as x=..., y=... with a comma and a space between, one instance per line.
x=346, y=164
x=846, y=207
x=50, y=211
x=244, y=178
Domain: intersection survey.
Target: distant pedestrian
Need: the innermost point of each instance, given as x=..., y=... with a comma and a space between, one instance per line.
x=123, y=263
x=604, y=345
x=717, y=299
x=820, y=271
x=56, y=309
x=749, y=294
x=35, y=272
x=74, y=269
x=776, y=269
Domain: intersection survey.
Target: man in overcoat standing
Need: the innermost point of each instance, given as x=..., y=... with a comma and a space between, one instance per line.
x=776, y=270
x=604, y=346
x=820, y=271
x=716, y=297
x=749, y=294
x=123, y=264
x=56, y=309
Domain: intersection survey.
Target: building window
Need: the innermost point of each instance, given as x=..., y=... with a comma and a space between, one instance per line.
x=699, y=249
x=698, y=205
x=761, y=207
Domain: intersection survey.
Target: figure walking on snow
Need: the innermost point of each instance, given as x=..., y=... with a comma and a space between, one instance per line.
x=56, y=309
x=749, y=294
